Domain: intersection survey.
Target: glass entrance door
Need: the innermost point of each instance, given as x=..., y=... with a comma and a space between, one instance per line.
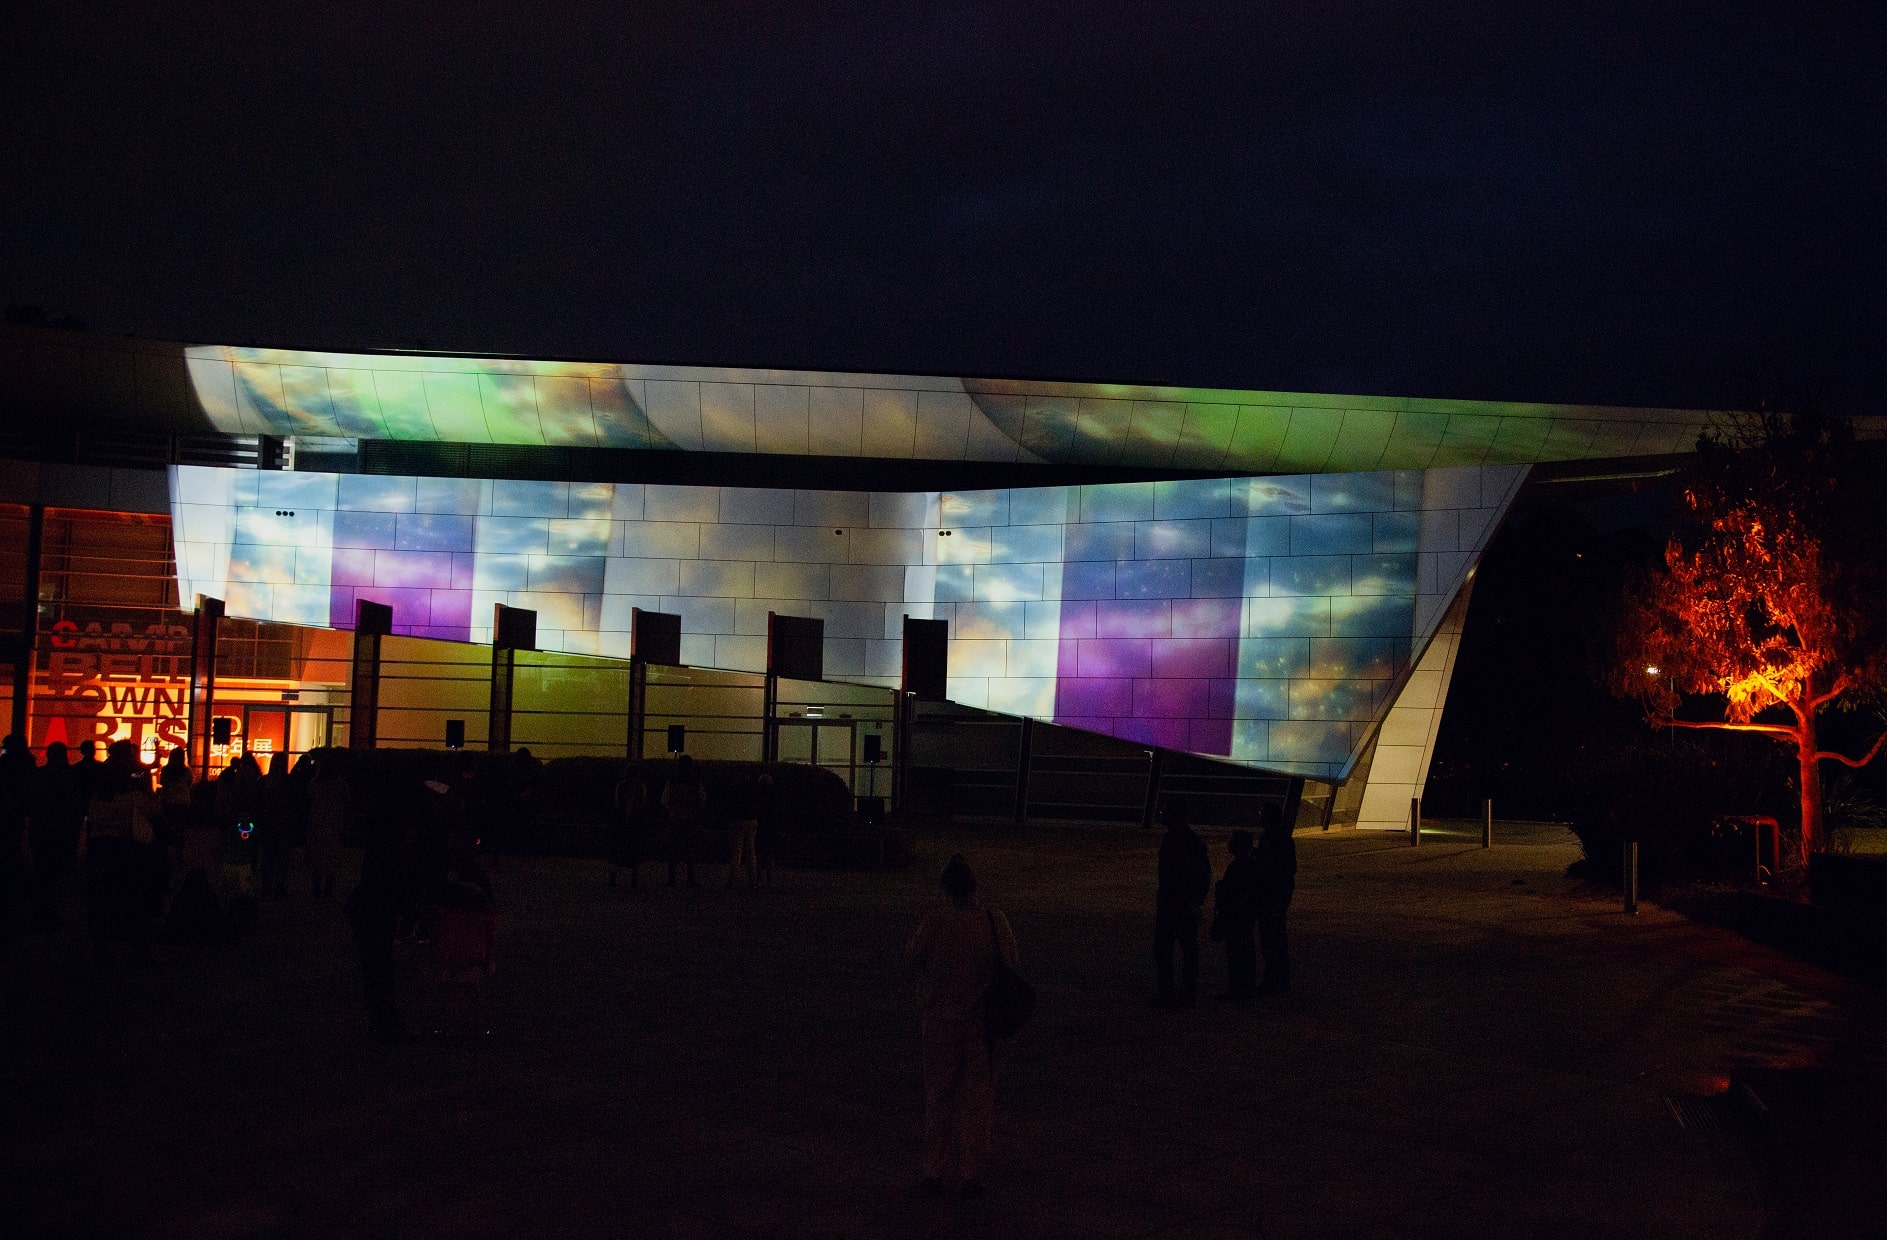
x=291, y=730
x=822, y=742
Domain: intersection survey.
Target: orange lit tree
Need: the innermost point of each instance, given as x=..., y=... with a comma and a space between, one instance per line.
x=1767, y=610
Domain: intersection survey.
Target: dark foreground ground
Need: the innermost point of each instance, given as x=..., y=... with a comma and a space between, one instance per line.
x=1477, y=1046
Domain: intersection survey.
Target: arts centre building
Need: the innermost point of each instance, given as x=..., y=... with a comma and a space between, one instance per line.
x=968, y=596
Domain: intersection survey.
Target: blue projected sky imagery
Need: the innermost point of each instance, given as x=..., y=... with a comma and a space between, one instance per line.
x=1267, y=620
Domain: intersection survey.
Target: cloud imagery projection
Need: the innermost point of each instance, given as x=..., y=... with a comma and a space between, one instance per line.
x=474, y=400
x=1263, y=620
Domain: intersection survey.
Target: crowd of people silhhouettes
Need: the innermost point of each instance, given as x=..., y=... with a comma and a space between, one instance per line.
x=662, y=821
x=164, y=857
x=963, y=946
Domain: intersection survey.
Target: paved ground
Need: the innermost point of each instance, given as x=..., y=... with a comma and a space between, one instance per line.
x=1477, y=1046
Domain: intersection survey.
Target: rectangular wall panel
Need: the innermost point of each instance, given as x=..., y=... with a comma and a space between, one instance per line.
x=1268, y=621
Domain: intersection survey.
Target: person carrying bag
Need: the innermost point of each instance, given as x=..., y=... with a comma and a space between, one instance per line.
x=970, y=997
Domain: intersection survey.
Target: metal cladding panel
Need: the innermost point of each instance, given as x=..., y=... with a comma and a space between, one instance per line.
x=1265, y=620
x=513, y=401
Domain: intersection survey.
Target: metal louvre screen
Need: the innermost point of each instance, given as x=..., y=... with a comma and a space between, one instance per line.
x=566, y=705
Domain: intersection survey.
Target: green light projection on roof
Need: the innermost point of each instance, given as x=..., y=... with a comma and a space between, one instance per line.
x=595, y=404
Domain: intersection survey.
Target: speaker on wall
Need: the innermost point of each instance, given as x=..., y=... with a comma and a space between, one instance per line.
x=677, y=737
x=874, y=747
x=455, y=734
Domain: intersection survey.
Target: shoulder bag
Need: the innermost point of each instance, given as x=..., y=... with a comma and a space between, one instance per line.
x=1008, y=1001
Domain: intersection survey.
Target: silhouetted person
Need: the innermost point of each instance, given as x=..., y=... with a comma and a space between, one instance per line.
x=743, y=828
x=58, y=818
x=766, y=840
x=239, y=793
x=18, y=775
x=629, y=829
x=684, y=801
x=956, y=946
x=277, y=826
x=465, y=931
x=327, y=824
x=440, y=835
x=196, y=916
x=175, y=785
x=124, y=888
x=478, y=803
x=238, y=800
x=86, y=769
x=1277, y=879
x=1185, y=879
x=521, y=776
x=389, y=870
x=1235, y=914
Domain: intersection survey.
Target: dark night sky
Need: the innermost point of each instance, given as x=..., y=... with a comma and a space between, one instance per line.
x=1612, y=202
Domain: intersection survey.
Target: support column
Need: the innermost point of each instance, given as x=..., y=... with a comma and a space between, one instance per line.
x=638, y=705
x=796, y=649
x=1156, y=766
x=769, y=722
x=209, y=615
x=504, y=662
x=29, y=627
x=923, y=677
x=1294, y=800
x=372, y=621
x=512, y=629
x=901, y=705
x=1403, y=746
x=1022, y=770
x=654, y=637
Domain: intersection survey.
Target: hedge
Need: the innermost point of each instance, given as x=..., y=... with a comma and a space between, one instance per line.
x=573, y=801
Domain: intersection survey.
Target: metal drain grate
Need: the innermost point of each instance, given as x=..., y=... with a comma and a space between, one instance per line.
x=1700, y=1115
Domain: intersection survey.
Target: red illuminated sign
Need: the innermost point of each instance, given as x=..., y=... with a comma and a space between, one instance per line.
x=114, y=680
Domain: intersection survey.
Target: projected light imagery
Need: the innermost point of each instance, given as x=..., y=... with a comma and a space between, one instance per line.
x=255, y=391
x=1265, y=620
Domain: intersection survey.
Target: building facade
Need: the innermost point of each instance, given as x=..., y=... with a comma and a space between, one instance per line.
x=1274, y=583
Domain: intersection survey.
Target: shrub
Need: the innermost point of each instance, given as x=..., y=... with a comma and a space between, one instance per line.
x=1673, y=795
x=574, y=796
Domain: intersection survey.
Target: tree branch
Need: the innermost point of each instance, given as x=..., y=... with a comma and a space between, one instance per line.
x=1774, y=729
x=1841, y=686
x=1845, y=760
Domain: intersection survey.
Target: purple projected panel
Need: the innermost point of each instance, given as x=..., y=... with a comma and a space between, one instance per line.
x=1152, y=581
x=419, y=564
x=1265, y=620
x=1157, y=671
